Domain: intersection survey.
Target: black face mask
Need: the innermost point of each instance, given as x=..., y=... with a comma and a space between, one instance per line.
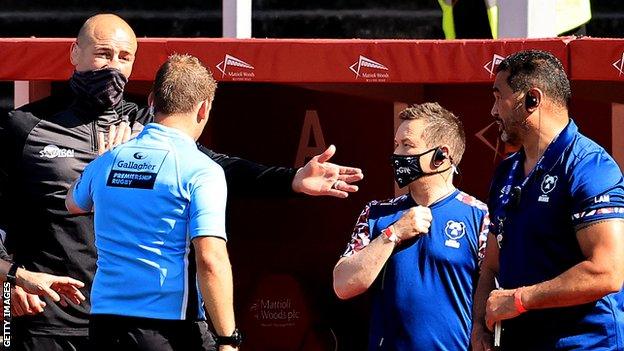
x=407, y=168
x=102, y=87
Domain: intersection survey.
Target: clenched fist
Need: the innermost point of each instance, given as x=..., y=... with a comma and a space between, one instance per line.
x=414, y=221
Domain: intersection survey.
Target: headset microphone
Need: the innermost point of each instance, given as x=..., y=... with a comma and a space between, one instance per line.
x=439, y=156
x=530, y=101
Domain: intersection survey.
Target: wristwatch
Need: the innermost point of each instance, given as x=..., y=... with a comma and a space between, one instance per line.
x=233, y=340
x=10, y=276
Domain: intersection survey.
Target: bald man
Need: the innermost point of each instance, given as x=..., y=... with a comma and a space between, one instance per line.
x=46, y=146
x=48, y=143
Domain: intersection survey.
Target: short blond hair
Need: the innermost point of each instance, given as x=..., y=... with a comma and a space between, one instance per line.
x=441, y=127
x=181, y=83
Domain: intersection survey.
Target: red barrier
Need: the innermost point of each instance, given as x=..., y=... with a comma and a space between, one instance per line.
x=597, y=59
x=293, y=61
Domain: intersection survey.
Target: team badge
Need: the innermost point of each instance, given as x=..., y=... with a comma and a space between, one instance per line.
x=548, y=184
x=454, y=231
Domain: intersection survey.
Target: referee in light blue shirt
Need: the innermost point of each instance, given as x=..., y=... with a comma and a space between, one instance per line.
x=153, y=197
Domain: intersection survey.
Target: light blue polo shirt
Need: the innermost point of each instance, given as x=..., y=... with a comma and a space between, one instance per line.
x=151, y=197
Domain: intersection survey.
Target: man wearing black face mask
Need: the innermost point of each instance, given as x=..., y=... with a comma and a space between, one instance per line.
x=46, y=146
x=48, y=143
x=419, y=252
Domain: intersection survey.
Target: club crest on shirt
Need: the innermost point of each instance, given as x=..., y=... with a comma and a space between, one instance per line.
x=454, y=231
x=548, y=184
x=53, y=151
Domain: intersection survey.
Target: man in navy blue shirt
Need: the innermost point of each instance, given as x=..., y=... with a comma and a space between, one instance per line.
x=557, y=206
x=419, y=253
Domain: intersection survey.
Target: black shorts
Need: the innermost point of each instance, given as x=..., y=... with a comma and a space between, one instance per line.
x=111, y=332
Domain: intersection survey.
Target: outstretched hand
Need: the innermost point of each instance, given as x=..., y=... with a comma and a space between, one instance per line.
x=53, y=286
x=117, y=135
x=321, y=178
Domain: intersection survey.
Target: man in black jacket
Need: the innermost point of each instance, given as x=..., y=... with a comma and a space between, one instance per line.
x=47, y=145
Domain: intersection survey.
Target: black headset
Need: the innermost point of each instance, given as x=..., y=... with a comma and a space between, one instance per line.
x=530, y=101
x=439, y=156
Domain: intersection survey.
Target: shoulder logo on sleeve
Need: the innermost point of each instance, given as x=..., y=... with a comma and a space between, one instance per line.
x=548, y=184
x=601, y=199
x=136, y=167
x=53, y=151
x=454, y=231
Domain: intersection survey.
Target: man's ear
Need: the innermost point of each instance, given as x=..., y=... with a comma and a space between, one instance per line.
x=150, y=99
x=74, y=53
x=441, y=154
x=533, y=99
x=204, y=110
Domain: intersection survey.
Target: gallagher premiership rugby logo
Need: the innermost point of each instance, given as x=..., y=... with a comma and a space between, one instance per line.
x=454, y=231
x=370, y=70
x=136, y=168
x=235, y=68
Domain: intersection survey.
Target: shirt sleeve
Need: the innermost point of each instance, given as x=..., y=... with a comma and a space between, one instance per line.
x=597, y=189
x=250, y=179
x=360, y=238
x=483, y=236
x=83, y=190
x=207, y=204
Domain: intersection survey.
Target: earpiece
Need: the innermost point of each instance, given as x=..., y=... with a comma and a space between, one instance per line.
x=530, y=101
x=439, y=156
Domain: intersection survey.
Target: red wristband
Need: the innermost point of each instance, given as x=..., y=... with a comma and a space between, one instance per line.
x=518, y=301
x=390, y=235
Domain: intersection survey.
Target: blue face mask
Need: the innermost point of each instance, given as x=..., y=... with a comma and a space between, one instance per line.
x=101, y=87
x=407, y=168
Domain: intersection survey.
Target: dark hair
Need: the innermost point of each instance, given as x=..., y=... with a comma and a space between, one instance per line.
x=441, y=127
x=182, y=82
x=540, y=69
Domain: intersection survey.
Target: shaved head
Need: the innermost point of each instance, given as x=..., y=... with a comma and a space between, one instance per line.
x=105, y=40
x=102, y=24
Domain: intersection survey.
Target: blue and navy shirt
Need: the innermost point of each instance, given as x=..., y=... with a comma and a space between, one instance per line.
x=151, y=197
x=422, y=299
x=576, y=182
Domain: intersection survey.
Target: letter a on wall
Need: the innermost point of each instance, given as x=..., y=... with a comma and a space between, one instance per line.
x=311, y=126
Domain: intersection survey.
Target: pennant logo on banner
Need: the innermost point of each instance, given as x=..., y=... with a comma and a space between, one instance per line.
x=365, y=62
x=491, y=65
x=619, y=65
x=235, y=68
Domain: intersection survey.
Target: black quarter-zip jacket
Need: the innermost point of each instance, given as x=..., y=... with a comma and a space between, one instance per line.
x=46, y=145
